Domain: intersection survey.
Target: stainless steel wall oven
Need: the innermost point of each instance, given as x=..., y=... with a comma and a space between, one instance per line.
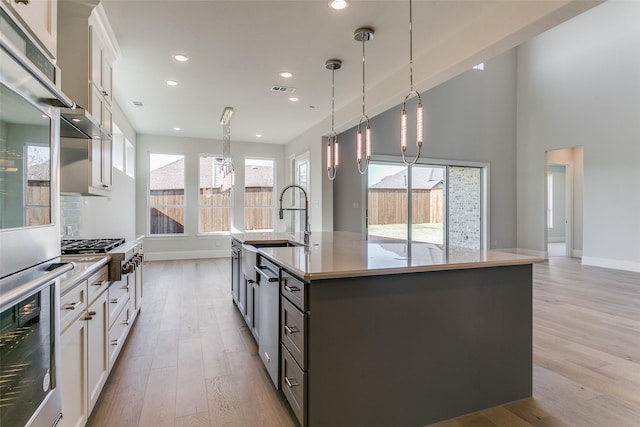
x=30, y=102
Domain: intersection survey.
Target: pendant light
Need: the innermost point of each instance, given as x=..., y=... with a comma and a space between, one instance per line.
x=363, y=35
x=332, y=142
x=403, y=116
x=227, y=169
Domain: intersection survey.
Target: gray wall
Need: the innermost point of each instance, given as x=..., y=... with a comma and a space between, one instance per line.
x=471, y=117
x=578, y=84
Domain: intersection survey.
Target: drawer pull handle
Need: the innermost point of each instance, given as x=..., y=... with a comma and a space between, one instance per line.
x=98, y=283
x=125, y=322
x=291, y=288
x=22, y=1
x=72, y=306
x=116, y=300
x=115, y=342
x=91, y=313
x=290, y=329
x=290, y=383
x=87, y=317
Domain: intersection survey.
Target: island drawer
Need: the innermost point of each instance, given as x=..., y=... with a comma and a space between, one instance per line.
x=72, y=304
x=117, y=335
x=118, y=298
x=292, y=331
x=293, y=382
x=294, y=289
x=98, y=283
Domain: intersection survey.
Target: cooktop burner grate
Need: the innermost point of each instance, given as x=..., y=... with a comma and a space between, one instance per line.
x=89, y=246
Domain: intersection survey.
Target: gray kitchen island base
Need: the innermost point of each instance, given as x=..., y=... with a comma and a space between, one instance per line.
x=412, y=349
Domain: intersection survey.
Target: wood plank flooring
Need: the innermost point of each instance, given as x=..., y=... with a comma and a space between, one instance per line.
x=190, y=360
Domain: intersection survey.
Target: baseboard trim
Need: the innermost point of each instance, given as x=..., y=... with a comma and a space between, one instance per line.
x=168, y=256
x=576, y=253
x=615, y=264
x=528, y=252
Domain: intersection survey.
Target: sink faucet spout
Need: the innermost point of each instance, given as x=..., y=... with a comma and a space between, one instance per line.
x=307, y=232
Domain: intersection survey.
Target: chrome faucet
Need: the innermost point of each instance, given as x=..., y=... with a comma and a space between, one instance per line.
x=307, y=233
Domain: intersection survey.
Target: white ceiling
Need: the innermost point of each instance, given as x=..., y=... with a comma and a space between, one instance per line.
x=239, y=47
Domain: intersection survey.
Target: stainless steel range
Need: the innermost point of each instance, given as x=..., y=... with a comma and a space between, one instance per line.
x=126, y=257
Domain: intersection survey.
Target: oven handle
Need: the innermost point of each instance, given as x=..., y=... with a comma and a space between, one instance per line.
x=7, y=299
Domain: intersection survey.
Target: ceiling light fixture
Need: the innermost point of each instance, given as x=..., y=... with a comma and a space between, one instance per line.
x=176, y=128
x=294, y=99
x=403, y=115
x=180, y=57
x=286, y=74
x=363, y=35
x=258, y=135
x=332, y=142
x=225, y=118
x=171, y=82
x=338, y=4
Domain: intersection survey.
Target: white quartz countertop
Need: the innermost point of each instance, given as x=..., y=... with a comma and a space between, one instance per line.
x=343, y=254
x=84, y=266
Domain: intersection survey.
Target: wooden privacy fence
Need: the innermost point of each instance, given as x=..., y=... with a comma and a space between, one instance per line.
x=167, y=212
x=389, y=206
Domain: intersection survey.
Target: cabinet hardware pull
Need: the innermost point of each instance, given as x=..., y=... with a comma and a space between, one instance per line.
x=291, y=288
x=114, y=301
x=87, y=317
x=91, y=313
x=72, y=306
x=98, y=283
x=115, y=342
x=290, y=329
x=22, y=1
x=289, y=383
x=125, y=322
x=105, y=93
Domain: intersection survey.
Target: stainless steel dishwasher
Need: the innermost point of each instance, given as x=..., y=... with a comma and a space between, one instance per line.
x=269, y=314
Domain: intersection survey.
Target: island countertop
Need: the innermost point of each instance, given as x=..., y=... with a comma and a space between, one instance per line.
x=342, y=254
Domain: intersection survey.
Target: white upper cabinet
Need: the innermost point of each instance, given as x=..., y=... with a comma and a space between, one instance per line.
x=41, y=19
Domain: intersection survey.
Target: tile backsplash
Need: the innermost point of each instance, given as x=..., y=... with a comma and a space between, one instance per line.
x=71, y=215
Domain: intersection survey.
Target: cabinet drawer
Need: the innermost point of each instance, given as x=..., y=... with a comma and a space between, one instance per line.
x=292, y=327
x=293, y=289
x=72, y=304
x=118, y=298
x=117, y=335
x=293, y=383
x=97, y=283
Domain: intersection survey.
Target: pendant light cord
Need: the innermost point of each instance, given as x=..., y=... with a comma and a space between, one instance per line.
x=363, y=40
x=410, y=45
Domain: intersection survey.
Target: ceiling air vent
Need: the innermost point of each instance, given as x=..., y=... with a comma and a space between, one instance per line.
x=283, y=89
x=137, y=103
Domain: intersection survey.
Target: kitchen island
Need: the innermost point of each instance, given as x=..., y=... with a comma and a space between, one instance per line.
x=385, y=333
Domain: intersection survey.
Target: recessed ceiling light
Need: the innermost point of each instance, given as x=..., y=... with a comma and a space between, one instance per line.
x=294, y=99
x=76, y=120
x=176, y=128
x=338, y=4
x=180, y=57
x=285, y=74
x=171, y=82
x=258, y=135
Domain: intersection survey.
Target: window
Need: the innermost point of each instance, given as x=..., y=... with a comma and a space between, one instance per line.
x=258, y=194
x=166, y=194
x=436, y=204
x=118, y=148
x=214, y=206
x=130, y=158
x=38, y=199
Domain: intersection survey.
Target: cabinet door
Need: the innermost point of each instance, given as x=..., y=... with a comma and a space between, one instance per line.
x=41, y=18
x=255, y=289
x=73, y=380
x=95, y=60
x=106, y=77
x=96, y=108
x=96, y=163
x=138, y=296
x=97, y=348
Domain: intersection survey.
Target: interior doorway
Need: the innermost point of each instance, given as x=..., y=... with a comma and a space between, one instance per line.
x=564, y=202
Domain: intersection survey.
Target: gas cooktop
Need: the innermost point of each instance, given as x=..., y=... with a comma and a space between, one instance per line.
x=89, y=246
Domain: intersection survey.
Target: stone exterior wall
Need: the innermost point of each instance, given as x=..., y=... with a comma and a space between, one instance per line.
x=465, y=207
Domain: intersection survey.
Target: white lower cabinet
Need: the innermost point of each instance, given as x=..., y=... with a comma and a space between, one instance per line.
x=95, y=318
x=85, y=360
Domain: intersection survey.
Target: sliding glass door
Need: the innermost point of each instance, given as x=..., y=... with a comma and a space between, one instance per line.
x=439, y=204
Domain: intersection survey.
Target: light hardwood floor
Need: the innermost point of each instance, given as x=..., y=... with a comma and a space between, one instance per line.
x=190, y=360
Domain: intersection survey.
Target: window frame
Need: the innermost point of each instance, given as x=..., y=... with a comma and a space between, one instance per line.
x=201, y=206
x=184, y=198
